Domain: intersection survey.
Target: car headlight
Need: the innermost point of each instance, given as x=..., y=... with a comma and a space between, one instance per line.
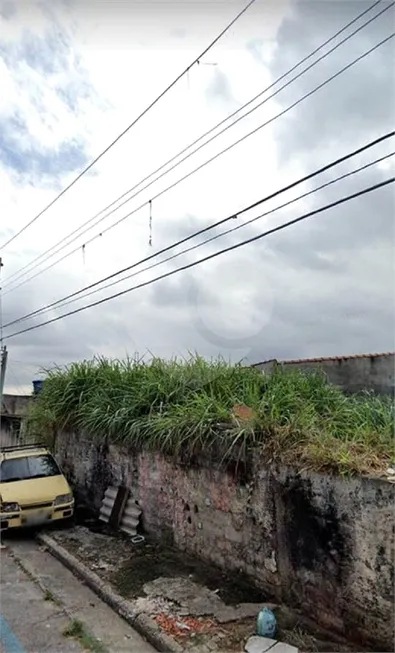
x=63, y=498
x=9, y=507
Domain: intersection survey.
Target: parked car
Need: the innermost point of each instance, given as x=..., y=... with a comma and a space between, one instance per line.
x=33, y=490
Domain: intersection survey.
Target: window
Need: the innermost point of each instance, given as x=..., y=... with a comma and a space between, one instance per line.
x=22, y=469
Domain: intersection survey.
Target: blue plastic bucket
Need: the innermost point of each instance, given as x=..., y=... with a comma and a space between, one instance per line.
x=37, y=386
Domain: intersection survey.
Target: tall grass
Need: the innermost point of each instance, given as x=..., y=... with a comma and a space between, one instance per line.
x=188, y=407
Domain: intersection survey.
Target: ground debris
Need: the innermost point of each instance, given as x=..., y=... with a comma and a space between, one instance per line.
x=201, y=606
x=229, y=613
x=256, y=644
x=195, y=599
x=185, y=627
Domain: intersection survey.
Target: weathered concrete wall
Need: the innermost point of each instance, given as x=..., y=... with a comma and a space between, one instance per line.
x=7, y=438
x=321, y=544
x=351, y=373
x=15, y=405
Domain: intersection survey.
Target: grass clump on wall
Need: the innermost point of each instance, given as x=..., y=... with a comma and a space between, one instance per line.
x=193, y=406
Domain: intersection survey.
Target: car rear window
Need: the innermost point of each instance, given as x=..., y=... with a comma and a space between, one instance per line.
x=21, y=469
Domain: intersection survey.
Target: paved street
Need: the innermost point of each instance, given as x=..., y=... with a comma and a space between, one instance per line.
x=39, y=602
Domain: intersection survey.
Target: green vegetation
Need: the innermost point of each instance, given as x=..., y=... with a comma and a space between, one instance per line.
x=40, y=425
x=48, y=596
x=187, y=408
x=77, y=630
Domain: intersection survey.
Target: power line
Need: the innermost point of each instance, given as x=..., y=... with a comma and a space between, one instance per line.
x=21, y=274
x=59, y=246
x=210, y=256
x=132, y=124
x=109, y=206
x=221, y=222
x=173, y=185
x=16, y=381
x=227, y=232
x=205, y=242
x=26, y=364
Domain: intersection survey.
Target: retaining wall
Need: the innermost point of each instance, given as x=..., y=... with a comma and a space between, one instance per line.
x=317, y=543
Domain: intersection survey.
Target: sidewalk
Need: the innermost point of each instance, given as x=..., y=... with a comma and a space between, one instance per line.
x=42, y=600
x=28, y=623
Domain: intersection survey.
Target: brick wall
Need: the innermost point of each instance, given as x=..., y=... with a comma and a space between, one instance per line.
x=318, y=543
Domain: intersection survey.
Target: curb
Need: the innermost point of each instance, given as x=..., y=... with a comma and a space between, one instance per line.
x=141, y=622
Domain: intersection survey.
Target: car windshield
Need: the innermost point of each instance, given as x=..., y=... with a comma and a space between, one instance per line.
x=22, y=469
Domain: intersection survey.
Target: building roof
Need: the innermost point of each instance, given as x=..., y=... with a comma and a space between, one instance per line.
x=326, y=358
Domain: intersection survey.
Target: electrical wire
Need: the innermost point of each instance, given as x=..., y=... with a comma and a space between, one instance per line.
x=132, y=124
x=26, y=366
x=15, y=380
x=224, y=233
x=19, y=274
x=28, y=268
x=210, y=256
x=207, y=133
x=209, y=240
x=220, y=223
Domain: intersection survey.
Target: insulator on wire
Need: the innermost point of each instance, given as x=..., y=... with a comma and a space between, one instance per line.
x=150, y=224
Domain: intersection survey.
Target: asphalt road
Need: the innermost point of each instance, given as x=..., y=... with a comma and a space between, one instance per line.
x=40, y=599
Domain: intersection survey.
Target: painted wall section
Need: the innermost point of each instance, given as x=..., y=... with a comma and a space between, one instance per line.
x=321, y=544
x=351, y=373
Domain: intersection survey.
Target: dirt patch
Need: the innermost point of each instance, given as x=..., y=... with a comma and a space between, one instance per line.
x=198, y=604
x=153, y=561
x=130, y=566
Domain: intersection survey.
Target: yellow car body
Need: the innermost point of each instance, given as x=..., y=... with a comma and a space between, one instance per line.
x=33, y=490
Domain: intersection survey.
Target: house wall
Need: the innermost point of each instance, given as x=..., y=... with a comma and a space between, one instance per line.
x=351, y=373
x=15, y=405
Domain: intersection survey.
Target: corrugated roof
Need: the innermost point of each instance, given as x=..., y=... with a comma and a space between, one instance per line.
x=326, y=358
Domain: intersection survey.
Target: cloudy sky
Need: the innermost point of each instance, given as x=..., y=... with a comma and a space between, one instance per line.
x=74, y=75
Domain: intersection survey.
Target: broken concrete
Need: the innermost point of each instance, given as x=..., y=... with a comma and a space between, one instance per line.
x=199, y=601
x=258, y=644
x=193, y=598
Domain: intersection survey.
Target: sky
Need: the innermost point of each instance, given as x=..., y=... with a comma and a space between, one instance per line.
x=74, y=75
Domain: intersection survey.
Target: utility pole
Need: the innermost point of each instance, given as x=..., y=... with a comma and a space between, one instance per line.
x=3, y=350
x=3, y=367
